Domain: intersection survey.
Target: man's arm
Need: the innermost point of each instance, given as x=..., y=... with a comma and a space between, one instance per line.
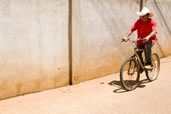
x=132, y=29
x=150, y=35
x=154, y=32
x=125, y=38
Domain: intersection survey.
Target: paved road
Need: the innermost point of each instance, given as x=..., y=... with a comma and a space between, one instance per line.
x=99, y=96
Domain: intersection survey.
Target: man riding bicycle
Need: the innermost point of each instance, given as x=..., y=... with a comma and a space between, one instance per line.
x=146, y=31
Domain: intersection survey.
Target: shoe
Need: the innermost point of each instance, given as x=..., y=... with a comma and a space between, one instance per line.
x=149, y=67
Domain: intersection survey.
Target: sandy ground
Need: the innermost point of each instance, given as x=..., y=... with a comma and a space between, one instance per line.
x=99, y=96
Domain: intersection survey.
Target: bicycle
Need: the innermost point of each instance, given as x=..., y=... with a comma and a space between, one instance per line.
x=132, y=67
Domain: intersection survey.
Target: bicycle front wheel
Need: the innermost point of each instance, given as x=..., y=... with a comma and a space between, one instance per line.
x=153, y=73
x=129, y=74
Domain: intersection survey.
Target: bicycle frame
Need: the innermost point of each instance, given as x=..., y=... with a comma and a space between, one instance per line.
x=138, y=58
x=136, y=54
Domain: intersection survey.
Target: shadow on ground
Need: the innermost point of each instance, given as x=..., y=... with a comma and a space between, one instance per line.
x=119, y=89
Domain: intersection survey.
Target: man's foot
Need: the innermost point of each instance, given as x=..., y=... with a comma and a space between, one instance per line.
x=149, y=67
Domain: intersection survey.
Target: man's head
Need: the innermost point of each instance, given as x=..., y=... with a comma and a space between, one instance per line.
x=145, y=14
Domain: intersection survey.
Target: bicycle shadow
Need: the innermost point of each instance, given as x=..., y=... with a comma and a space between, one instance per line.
x=119, y=89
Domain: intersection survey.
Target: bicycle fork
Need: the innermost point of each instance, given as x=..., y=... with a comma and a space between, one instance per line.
x=131, y=68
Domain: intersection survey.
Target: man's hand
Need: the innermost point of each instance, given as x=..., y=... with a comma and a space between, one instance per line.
x=124, y=39
x=145, y=39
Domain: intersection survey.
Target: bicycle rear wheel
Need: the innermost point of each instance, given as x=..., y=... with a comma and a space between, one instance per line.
x=129, y=74
x=153, y=73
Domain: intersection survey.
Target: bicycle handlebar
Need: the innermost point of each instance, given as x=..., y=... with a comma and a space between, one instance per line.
x=133, y=40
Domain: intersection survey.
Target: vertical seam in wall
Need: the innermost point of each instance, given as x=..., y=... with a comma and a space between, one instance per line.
x=141, y=4
x=70, y=40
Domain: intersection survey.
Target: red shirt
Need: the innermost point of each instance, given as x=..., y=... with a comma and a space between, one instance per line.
x=144, y=29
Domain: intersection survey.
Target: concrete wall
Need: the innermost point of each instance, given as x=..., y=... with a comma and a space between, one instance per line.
x=34, y=43
x=99, y=25
x=33, y=46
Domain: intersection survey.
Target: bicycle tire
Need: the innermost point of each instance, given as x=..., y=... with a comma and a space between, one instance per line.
x=153, y=74
x=129, y=80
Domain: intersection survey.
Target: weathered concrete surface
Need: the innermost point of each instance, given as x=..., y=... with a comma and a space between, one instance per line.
x=34, y=40
x=33, y=46
x=99, y=25
x=99, y=96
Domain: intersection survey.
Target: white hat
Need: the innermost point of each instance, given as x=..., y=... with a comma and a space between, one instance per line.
x=145, y=11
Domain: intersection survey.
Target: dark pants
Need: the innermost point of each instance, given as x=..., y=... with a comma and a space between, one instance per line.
x=147, y=52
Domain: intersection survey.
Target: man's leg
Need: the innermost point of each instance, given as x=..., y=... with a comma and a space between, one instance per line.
x=148, y=53
x=140, y=53
x=140, y=56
